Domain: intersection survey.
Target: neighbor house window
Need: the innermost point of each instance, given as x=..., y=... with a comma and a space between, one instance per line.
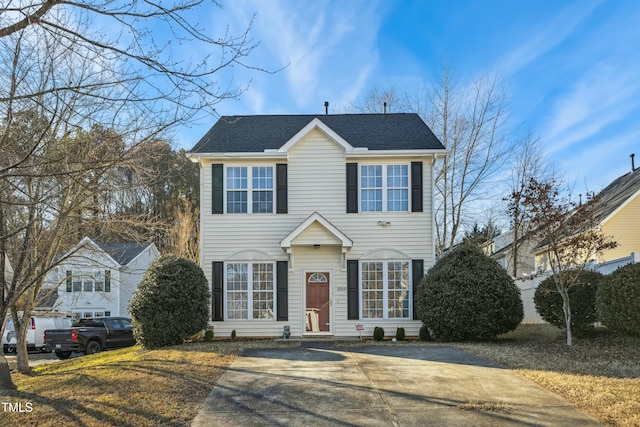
x=88, y=282
x=250, y=291
x=384, y=290
x=384, y=188
x=249, y=189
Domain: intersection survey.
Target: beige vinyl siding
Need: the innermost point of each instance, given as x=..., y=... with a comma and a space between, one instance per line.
x=316, y=183
x=623, y=227
x=316, y=234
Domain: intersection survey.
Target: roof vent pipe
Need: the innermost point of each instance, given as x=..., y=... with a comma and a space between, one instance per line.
x=326, y=107
x=384, y=107
x=633, y=165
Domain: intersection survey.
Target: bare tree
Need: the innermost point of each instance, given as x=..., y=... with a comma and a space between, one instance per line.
x=470, y=121
x=569, y=232
x=82, y=87
x=527, y=162
x=183, y=235
x=117, y=37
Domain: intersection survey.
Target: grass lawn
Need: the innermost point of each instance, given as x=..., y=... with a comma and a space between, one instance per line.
x=599, y=374
x=127, y=387
x=134, y=387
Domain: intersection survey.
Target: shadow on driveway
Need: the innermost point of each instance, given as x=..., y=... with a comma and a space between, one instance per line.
x=376, y=386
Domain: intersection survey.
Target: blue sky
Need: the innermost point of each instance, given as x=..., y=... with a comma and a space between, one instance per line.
x=571, y=68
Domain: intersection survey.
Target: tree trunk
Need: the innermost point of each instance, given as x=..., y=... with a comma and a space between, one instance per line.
x=5, y=376
x=21, y=342
x=566, y=308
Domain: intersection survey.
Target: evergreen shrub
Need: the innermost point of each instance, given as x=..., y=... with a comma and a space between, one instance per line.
x=582, y=300
x=618, y=300
x=467, y=296
x=171, y=302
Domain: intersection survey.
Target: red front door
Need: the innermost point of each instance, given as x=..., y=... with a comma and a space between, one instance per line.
x=317, y=309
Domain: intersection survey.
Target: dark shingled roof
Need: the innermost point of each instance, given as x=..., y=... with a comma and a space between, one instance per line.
x=373, y=131
x=47, y=298
x=616, y=193
x=123, y=252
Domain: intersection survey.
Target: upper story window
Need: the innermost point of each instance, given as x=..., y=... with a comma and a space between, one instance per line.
x=249, y=189
x=98, y=281
x=384, y=188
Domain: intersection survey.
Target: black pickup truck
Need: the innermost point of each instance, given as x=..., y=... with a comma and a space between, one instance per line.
x=90, y=336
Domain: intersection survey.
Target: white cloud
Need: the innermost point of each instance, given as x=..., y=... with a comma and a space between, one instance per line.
x=328, y=50
x=595, y=166
x=545, y=36
x=605, y=95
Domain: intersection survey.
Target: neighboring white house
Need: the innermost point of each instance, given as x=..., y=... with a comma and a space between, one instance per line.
x=319, y=223
x=99, y=279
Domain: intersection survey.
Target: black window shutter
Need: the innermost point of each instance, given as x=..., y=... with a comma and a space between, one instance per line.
x=281, y=188
x=282, y=289
x=217, y=292
x=353, y=309
x=416, y=187
x=352, y=188
x=69, y=281
x=217, y=186
x=107, y=280
x=417, y=271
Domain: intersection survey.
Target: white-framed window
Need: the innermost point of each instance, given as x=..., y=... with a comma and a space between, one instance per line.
x=385, y=290
x=250, y=290
x=384, y=188
x=249, y=189
x=91, y=314
x=87, y=281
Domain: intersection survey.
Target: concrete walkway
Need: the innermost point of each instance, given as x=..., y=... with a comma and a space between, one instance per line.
x=400, y=385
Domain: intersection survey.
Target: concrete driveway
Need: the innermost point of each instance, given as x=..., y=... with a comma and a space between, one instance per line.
x=398, y=385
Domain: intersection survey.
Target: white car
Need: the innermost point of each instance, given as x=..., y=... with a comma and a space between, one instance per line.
x=35, y=334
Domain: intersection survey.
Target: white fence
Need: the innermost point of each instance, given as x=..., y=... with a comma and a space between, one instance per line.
x=528, y=286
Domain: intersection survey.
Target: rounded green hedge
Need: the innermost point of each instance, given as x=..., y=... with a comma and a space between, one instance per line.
x=467, y=296
x=582, y=300
x=618, y=300
x=171, y=302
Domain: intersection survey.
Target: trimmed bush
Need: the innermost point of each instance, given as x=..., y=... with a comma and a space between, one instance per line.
x=467, y=296
x=582, y=299
x=400, y=334
x=618, y=300
x=378, y=333
x=208, y=335
x=425, y=335
x=234, y=335
x=171, y=302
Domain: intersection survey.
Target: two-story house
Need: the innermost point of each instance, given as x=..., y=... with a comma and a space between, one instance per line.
x=320, y=223
x=98, y=279
x=617, y=212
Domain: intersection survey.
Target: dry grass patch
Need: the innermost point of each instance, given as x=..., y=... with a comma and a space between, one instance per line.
x=598, y=374
x=128, y=387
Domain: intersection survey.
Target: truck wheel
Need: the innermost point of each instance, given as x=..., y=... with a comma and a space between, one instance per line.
x=93, y=347
x=62, y=354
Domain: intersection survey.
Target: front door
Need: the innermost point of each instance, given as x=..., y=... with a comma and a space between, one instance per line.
x=318, y=307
